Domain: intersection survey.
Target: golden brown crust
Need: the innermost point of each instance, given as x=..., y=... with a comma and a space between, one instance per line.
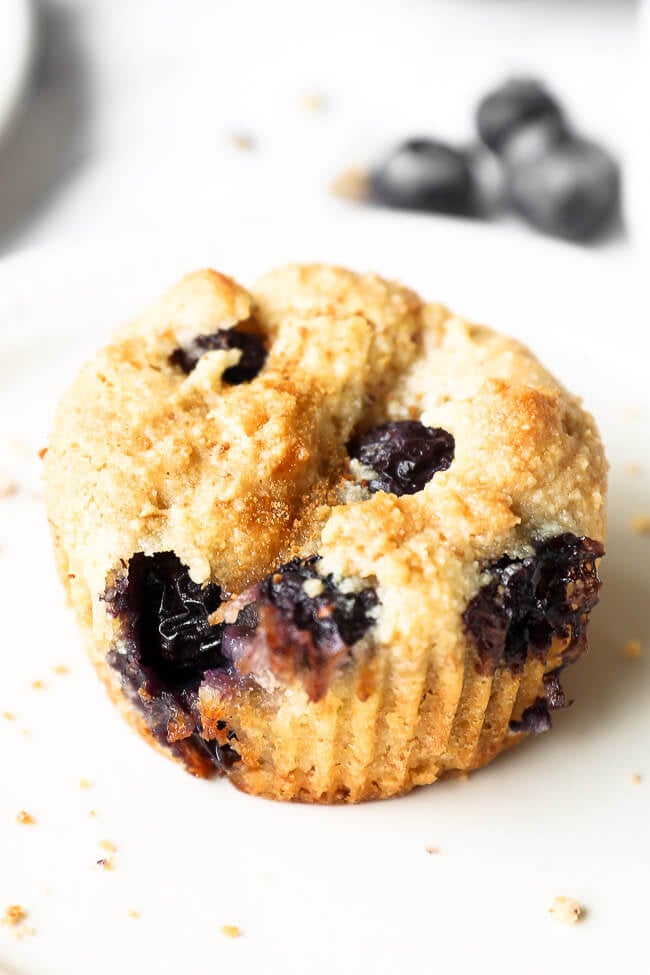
x=237, y=479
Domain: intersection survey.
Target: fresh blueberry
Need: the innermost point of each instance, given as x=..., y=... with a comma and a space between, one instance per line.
x=253, y=353
x=572, y=191
x=511, y=106
x=530, y=142
x=404, y=454
x=423, y=174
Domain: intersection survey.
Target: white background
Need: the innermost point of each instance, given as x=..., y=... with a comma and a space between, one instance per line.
x=128, y=128
x=126, y=136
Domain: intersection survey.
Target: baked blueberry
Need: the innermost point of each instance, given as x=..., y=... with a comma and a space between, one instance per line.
x=527, y=602
x=404, y=455
x=510, y=107
x=424, y=174
x=253, y=353
x=299, y=623
x=571, y=191
x=535, y=720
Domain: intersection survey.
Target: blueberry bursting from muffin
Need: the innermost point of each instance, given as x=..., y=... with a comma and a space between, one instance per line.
x=301, y=623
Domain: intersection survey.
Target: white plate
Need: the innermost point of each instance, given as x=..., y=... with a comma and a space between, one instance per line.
x=17, y=30
x=323, y=889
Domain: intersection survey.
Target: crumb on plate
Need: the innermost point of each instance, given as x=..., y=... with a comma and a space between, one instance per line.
x=61, y=669
x=632, y=470
x=38, y=685
x=42, y=452
x=312, y=102
x=7, y=487
x=230, y=930
x=641, y=524
x=106, y=863
x=133, y=913
x=8, y=716
x=432, y=849
x=632, y=649
x=85, y=784
x=244, y=143
x=14, y=914
x=635, y=779
x=108, y=846
x=565, y=910
x=24, y=818
x=351, y=184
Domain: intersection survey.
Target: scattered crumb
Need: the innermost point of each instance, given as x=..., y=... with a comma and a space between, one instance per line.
x=313, y=587
x=313, y=102
x=7, y=487
x=8, y=716
x=351, y=184
x=92, y=813
x=641, y=524
x=26, y=733
x=71, y=575
x=61, y=669
x=85, y=784
x=38, y=685
x=632, y=470
x=42, y=452
x=108, y=846
x=432, y=849
x=133, y=913
x=230, y=930
x=244, y=143
x=635, y=779
x=565, y=910
x=632, y=649
x=24, y=818
x=14, y=914
x=106, y=863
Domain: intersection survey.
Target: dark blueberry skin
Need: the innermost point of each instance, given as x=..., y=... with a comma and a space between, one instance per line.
x=295, y=634
x=168, y=646
x=535, y=720
x=512, y=106
x=332, y=617
x=404, y=455
x=253, y=354
x=571, y=191
x=423, y=174
x=530, y=143
x=529, y=601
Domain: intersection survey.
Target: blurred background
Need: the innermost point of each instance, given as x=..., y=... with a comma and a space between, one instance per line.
x=131, y=117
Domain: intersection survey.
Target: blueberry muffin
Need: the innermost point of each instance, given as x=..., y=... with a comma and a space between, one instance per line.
x=323, y=537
